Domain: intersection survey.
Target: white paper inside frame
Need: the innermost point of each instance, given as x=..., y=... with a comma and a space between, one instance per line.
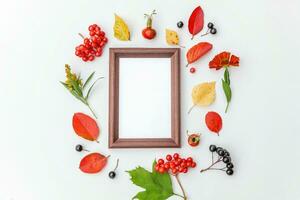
x=145, y=98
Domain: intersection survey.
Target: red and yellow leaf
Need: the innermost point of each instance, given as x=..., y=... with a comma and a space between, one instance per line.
x=93, y=163
x=85, y=126
x=196, y=21
x=197, y=51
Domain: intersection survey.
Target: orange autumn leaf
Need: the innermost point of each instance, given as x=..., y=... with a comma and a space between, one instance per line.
x=197, y=51
x=85, y=126
x=93, y=163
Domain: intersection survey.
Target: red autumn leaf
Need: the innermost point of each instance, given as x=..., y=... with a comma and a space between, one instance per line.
x=197, y=51
x=85, y=126
x=196, y=21
x=93, y=163
x=213, y=122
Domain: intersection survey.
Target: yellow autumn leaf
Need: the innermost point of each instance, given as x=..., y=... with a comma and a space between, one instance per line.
x=172, y=37
x=203, y=94
x=121, y=30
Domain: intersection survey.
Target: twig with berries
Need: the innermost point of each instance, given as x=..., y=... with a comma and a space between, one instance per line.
x=211, y=29
x=223, y=156
x=175, y=165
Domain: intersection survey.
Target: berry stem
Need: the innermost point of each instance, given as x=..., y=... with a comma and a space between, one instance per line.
x=81, y=35
x=181, y=187
x=178, y=195
x=210, y=167
x=207, y=32
x=117, y=164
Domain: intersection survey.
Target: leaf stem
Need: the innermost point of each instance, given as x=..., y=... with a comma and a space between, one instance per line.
x=191, y=108
x=181, y=187
x=91, y=110
x=227, y=107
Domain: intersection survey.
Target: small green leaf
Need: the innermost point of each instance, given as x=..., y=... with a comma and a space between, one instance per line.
x=88, y=80
x=74, y=93
x=227, y=91
x=90, y=89
x=226, y=76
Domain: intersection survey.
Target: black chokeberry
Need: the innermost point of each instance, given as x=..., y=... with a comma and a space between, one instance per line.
x=212, y=148
x=226, y=159
x=213, y=31
x=221, y=153
x=79, y=147
x=210, y=25
x=112, y=174
x=229, y=165
x=229, y=172
x=180, y=24
x=226, y=153
x=219, y=148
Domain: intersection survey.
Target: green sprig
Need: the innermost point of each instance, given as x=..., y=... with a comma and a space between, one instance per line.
x=74, y=85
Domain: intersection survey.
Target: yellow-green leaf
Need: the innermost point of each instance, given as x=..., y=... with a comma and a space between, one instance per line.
x=204, y=94
x=121, y=30
x=172, y=37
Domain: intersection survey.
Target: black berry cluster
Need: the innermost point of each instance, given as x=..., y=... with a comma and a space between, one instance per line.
x=211, y=29
x=223, y=157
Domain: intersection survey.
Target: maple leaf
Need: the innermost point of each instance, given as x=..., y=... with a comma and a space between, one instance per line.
x=157, y=186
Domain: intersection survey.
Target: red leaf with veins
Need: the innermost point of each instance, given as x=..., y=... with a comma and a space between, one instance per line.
x=196, y=21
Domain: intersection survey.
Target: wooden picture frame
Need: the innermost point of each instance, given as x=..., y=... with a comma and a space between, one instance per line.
x=115, y=54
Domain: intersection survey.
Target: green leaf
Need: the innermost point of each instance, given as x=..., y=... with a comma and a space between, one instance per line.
x=226, y=76
x=227, y=91
x=76, y=87
x=88, y=80
x=74, y=93
x=157, y=186
x=89, y=91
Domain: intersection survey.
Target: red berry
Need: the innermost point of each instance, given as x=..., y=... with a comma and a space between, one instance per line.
x=194, y=165
x=160, y=161
x=174, y=171
x=156, y=167
x=77, y=53
x=84, y=58
x=167, y=166
x=185, y=170
x=192, y=70
x=91, y=28
x=91, y=58
x=169, y=157
x=176, y=156
x=161, y=170
x=189, y=159
x=188, y=164
x=172, y=165
x=86, y=41
x=177, y=163
x=183, y=164
x=92, y=33
x=105, y=40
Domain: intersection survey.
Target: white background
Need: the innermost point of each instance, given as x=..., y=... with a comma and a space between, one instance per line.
x=261, y=129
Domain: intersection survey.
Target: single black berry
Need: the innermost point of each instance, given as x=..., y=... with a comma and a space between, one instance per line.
x=221, y=152
x=219, y=148
x=210, y=25
x=212, y=148
x=226, y=153
x=112, y=174
x=229, y=165
x=213, y=31
x=180, y=24
x=226, y=159
x=229, y=172
x=79, y=147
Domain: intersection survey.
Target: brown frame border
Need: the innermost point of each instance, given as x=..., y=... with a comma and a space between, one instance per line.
x=114, y=55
